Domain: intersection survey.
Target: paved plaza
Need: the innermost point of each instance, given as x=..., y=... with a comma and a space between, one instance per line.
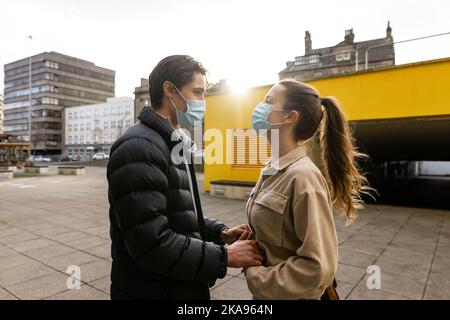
x=52, y=222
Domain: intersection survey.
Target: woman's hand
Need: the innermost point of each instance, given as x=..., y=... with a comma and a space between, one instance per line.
x=241, y=232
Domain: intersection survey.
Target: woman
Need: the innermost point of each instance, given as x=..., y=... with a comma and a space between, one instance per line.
x=290, y=209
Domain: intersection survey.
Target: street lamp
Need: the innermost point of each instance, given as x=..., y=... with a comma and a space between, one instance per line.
x=29, y=96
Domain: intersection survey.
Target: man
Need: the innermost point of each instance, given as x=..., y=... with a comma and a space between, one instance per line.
x=162, y=245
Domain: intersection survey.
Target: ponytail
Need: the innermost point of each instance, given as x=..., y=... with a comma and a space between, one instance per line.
x=339, y=157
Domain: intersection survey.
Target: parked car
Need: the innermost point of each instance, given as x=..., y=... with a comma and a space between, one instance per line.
x=100, y=156
x=37, y=158
x=66, y=158
x=40, y=158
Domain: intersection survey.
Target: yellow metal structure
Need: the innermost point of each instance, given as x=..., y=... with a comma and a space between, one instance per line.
x=416, y=90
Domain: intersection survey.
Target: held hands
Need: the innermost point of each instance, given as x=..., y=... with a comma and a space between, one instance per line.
x=244, y=252
x=242, y=232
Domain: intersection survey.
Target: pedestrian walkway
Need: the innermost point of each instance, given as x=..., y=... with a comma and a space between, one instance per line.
x=50, y=223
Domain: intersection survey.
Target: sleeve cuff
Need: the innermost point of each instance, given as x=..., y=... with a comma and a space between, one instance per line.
x=223, y=262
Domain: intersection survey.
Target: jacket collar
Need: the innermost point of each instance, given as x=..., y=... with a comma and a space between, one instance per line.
x=285, y=161
x=158, y=123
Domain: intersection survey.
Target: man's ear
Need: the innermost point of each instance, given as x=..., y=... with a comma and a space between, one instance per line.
x=168, y=89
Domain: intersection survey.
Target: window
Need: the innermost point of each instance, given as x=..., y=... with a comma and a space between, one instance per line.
x=106, y=111
x=105, y=138
x=97, y=113
x=120, y=124
x=249, y=149
x=70, y=127
x=88, y=114
x=81, y=126
x=88, y=126
x=105, y=125
x=24, y=92
x=307, y=59
x=113, y=124
x=75, y=115
x=120, y=110
x=97, y=124
x=20, y=104
x=51, y=101
x=113, y=110
x=17, y=127
x=314, y=59
x=70, y=115
x=82, y=139
x=20, y=115
x=343, y=56
x=75, y=140
x=70, y=140
x=128, y=123
x=75, y=127
x=81, y=114
x=49, y=76
x=51, y=64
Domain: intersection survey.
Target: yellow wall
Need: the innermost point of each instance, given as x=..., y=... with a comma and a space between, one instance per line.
x=412, y=90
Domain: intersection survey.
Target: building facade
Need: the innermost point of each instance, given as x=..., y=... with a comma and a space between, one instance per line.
x=57, y=81
x=346, y=57
x=141, y=97
x=1, y=113
x=95, y=127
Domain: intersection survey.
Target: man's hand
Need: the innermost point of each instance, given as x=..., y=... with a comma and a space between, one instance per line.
x=244, y=253
x=230, y=235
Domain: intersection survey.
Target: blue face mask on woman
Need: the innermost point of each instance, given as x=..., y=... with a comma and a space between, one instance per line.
x=195, y=111
x=260, y=115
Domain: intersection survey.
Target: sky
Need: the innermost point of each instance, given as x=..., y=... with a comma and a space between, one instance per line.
x=246, y=42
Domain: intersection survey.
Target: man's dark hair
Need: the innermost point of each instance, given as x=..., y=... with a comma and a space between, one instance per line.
x=178, y=69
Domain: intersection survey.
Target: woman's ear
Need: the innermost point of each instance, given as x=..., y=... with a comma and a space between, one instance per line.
x=294, y=116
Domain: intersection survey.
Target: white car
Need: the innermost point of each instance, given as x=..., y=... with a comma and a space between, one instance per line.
x=100, y=156
x=40, y=159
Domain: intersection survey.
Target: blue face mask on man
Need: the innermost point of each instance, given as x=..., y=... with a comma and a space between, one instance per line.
x=260, y=115
x=195, y=111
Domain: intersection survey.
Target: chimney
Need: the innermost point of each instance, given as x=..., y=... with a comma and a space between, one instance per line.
x=389, y=30
x=308, y=43
x=349, y=36
x=144, y=82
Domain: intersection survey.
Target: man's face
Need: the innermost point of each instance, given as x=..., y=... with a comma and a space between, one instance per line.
x=195, y=90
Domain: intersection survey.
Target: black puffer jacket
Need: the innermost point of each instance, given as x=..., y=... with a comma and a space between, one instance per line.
x=159, y=243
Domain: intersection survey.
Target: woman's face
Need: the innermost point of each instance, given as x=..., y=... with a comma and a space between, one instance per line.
x=276, y=98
